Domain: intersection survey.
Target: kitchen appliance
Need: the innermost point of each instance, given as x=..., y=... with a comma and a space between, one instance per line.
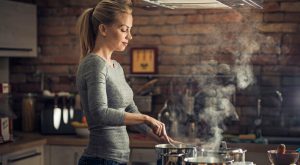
x=51, y=104
x=174, y=154
x=200, y=4
x=6, y=129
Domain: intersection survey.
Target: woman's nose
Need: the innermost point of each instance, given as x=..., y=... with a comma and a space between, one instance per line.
x=129, y=36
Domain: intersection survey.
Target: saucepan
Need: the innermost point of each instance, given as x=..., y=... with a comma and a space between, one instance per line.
x=174, y=154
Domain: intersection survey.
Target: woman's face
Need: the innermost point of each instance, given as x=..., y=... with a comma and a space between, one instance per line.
x=118, y=34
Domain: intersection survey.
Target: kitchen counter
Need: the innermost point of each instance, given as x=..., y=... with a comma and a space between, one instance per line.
x=25, y=140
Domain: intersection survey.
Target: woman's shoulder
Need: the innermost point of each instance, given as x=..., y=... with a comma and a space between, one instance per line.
x=93, y=61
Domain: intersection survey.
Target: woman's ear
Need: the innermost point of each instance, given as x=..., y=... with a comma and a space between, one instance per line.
x=102, y=29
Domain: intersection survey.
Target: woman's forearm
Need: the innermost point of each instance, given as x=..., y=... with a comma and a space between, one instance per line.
x=134, y=118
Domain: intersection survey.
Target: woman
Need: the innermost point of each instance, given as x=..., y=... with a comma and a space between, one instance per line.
x=106, y=98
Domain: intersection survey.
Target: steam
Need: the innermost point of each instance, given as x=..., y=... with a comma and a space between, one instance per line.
x=218, y=97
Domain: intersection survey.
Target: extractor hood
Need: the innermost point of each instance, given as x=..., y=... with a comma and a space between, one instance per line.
x=202, y=4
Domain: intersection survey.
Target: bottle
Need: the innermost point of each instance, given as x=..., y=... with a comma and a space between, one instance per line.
x=28, y=113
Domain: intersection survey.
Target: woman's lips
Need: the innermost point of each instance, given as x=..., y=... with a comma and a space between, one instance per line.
x=125, y=43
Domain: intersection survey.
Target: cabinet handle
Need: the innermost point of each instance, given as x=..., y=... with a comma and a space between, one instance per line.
x=23, y=157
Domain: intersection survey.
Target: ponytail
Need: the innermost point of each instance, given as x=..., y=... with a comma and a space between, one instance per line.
x=104, y=13
x=86, y=32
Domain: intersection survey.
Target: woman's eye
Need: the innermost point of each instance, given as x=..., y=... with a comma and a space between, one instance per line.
x=124, y=30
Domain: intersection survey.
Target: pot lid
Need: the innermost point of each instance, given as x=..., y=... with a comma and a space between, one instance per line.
x=175, y=146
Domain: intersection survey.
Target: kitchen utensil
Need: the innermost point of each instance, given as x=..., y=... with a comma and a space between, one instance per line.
x=208, y=160
x=65, y=111
x=174, y=154
x=146, y=88
x=71, y=109
x=56, y=115
x=289, y=157
x=258, y=120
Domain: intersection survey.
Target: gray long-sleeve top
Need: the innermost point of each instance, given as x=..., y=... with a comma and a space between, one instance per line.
x=105, y=96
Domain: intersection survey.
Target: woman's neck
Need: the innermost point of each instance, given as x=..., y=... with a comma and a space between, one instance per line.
x=104, y=53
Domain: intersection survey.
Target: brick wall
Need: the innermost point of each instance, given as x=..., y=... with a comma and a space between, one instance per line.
x=190, y=42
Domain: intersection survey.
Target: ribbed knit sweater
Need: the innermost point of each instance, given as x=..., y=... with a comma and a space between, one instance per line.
x=105, y=96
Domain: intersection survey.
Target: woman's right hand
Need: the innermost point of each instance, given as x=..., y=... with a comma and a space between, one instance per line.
x=157, y=126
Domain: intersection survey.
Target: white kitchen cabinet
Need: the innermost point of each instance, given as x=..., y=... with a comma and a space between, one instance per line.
x=18, y=29
x=62, y=155
x=30, y=156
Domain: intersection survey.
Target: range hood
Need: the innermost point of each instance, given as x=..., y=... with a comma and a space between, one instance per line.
x=202, y=4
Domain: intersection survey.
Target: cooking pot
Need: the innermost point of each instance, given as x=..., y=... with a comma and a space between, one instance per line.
x=237, y=154
x=208, y=160
x=174, y=154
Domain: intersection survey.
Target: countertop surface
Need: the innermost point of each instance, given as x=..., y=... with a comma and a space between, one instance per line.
x=26, y=140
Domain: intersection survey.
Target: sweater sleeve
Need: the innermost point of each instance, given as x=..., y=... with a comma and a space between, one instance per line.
x=142, y=128
x=99, y=113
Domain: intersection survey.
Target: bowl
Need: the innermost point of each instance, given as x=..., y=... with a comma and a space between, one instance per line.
x=81, y=129
x=82, y=132
x=289, y=157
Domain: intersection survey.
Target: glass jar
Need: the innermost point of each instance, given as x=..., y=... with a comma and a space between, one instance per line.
x=28, y=113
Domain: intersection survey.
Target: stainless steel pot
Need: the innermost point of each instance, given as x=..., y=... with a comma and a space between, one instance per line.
x=208, y=160
x=174, y=155
x=237, y=154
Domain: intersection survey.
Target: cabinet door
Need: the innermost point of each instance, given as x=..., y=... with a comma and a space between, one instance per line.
x=64, y=155
x=143, y=156
x=32, y=156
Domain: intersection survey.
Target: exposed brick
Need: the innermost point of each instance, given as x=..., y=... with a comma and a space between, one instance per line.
x=291, y=60
x=271, y=6
x=273, y=17
x=17, y=78
x=59, y=59
x=153, y=30
x=53, y=31
x=197, y=18
x=291, y=49
x=60, y=11
x=140, y=20
x=157, y=20
x=224, y=17
x=264, y=59
x=181, y=12
x=292, y=17
x=178, y=60
x=176, y=40
x=167, y=69
x=177, y=19
x=290, y=70
x=173, y=50
x=290, y=6
x=58, y=21
x=291, y=81
x=58, y=40
x=291, y=39
x=270, y=81
x=190, y=49
x=147, y=12
x=145, y=40
x=54, y=69
x=195, y=28
x=278, y=27
x=23, y=69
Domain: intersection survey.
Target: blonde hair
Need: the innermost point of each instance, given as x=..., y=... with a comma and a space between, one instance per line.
x=104, y=13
